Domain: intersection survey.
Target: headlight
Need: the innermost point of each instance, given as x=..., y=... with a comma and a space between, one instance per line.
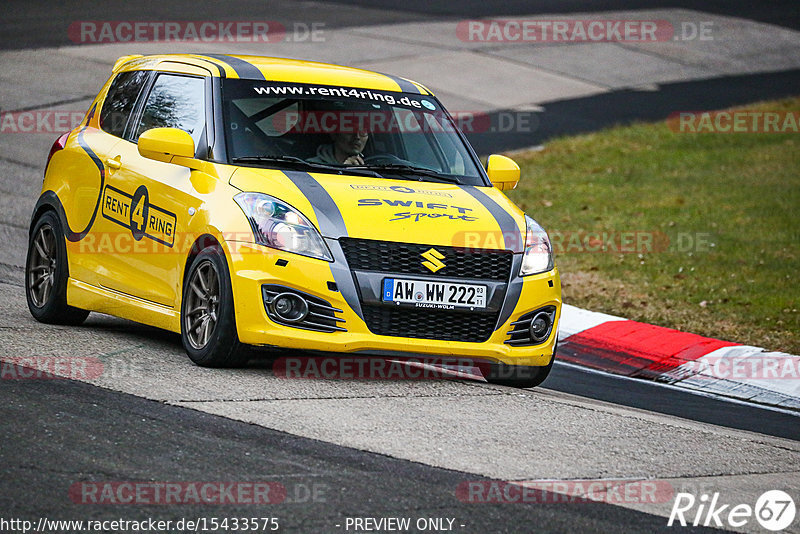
x=278, y=225
x=538, y=257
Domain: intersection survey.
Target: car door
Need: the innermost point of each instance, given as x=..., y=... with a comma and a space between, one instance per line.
x=89, y=168
x=159, y=196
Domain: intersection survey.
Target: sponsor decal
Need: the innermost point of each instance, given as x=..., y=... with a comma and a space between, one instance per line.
x=417, y=216
x=400, y=189
x=136, y=213
x=347, y=92
x=421, y=215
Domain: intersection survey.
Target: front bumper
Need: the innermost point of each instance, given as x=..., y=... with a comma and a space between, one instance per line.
x=253, y=266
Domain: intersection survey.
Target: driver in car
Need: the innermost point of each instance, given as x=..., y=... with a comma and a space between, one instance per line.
x=349, y=135
x=346, y=149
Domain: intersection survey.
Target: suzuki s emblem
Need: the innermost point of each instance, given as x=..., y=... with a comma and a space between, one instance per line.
x=434, y=258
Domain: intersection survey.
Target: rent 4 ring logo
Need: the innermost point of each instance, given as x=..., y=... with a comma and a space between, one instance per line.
x=774, y=510
x=136, y=213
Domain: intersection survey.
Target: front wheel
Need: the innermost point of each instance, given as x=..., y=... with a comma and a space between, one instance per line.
x=46, y=274
x=208, y=325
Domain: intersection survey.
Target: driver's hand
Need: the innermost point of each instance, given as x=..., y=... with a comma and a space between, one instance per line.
x=354, y=160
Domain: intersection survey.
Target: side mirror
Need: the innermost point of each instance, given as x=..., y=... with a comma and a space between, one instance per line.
x=503, y=172
x=164, y=144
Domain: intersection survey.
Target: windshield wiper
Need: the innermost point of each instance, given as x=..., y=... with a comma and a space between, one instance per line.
x=293, y=162
x=401, y=168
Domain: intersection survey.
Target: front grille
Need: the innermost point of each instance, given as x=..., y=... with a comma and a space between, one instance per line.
x=406, y=258
x=429, y=323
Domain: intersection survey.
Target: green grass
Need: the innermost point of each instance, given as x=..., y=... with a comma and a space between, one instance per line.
x=740, y=192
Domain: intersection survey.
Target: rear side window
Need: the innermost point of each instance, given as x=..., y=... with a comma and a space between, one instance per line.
x=175, y=102
x=120, y=100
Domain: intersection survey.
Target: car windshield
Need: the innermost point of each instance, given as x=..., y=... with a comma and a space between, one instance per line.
x=323, y=128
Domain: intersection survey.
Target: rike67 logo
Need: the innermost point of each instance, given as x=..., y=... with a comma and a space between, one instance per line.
x=774, y=510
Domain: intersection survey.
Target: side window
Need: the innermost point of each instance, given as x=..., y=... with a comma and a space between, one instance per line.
x=120, y=100
x=175, y=102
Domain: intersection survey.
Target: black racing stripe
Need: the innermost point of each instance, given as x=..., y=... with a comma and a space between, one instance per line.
x=331, y=225
x=405, y=85
x=245, y=70
x=507, y=223
x=510, y=231
x=72, y=235
x=513, y=293
x=344, y=278
x=219, y=67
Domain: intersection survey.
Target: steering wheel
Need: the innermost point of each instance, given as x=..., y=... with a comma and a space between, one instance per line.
x=385, y=159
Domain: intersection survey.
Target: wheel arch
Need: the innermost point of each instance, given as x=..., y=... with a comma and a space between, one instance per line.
x=201, y=243
x=48, y=201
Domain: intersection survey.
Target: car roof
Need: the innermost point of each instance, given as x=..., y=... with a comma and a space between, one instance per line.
x=269, y=69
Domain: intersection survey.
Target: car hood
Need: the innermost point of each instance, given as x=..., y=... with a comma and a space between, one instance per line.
x=394, y=210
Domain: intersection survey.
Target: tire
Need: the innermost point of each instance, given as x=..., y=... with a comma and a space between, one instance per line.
x=208, y=324
x=518, y=376
x=46, y=274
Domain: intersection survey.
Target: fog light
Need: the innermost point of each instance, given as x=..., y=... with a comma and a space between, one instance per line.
x=290, y=307
x=540, y=327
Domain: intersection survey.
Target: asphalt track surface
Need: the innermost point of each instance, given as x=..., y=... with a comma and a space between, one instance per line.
x=58, y=432
x=72, y=421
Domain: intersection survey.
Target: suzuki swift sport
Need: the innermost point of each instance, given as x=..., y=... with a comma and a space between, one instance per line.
x=241, y=200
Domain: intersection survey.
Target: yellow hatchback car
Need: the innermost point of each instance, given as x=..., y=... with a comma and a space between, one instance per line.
x=243, y=200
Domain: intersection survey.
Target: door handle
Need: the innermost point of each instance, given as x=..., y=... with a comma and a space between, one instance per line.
x=114, y=163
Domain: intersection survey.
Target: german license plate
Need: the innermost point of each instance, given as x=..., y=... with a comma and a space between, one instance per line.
x=426, y=294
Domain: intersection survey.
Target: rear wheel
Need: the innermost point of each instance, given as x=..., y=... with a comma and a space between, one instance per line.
x=46, y=274
x=208, y=325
